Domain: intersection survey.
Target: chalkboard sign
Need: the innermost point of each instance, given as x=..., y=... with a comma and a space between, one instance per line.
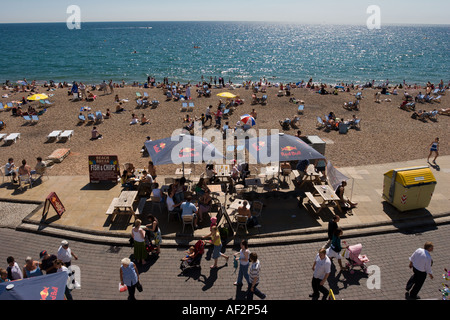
x=53, y=199
x=103, y=168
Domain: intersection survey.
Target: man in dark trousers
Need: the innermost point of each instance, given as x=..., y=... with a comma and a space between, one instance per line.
x=332, y=226
x=421, y=263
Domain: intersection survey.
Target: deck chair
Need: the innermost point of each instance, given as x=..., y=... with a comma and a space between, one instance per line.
x=99, y=116
x=91, y=117
x=3, y=174
x=54, y=135
x=34, y=118
x=320, y=123
x=188, y=220
x=437, y=99
x=41, y=103
x=155, y=103
x=300, y=109
x=358, y=95
x=81, y=118
x=24, y=180
x=356, y=124
x=263, y=99
x=241, y=222
x=139, y=103
x=138, y=95
x=184, y=106
x=67, y=134
x=146, y=95
x=191, y=106
x=432, y=115
x=27, y=119
x=48, y=102
x=2, y=107
x=9, y=105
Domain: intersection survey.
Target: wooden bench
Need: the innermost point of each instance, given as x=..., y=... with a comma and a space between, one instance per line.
x=140, y=208
x=313, y=201
x=112, y=208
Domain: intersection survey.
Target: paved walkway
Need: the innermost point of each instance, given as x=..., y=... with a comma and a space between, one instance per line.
x=282, y=220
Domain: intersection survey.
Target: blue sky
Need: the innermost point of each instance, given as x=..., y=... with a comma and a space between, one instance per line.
x=296, y=11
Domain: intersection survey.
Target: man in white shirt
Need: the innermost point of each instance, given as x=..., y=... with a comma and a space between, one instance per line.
x=421, y=262
x=322, y=269
x=65, y=254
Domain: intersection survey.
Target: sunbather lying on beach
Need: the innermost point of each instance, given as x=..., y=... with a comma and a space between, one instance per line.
x=445, y=112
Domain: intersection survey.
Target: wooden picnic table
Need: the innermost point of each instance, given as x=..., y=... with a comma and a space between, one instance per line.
x=329, y=197
x=126, y=200
x=179, y=171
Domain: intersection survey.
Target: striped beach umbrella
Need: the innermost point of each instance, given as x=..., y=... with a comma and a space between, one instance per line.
x=247, y=119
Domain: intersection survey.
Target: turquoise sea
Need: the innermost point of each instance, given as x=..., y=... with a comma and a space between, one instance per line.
x=237, y=51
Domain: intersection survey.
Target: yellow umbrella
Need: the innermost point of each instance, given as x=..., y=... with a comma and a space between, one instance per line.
x=227, y=95
x=36, y=97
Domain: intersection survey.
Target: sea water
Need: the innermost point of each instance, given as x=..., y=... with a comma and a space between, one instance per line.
x=236, y=51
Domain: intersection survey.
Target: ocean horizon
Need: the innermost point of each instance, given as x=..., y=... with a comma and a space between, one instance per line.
x=237, y=51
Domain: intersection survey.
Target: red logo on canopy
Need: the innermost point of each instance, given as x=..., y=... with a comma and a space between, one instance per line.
x=159, y=147
x=258, y=146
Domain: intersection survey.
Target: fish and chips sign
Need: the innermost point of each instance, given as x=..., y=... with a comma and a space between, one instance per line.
x=103, y=168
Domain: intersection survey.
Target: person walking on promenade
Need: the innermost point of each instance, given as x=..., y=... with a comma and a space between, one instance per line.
x=129, y=276
x=322, y=269
x=254, y=276
x=217, y=243
x=421, y=262
x=335, y=247
x=332, y=226
x=138, y=235
x=65, y=254
x=244, y=259
x=434, y=147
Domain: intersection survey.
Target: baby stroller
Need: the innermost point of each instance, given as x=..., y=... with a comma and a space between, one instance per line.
x=199, y=249
x=354, y=258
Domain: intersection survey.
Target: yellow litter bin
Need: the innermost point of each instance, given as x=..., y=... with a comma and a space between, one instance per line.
x=409, y=188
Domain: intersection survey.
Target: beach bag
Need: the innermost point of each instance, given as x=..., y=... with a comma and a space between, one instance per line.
x=139, y=287
x=122, y=288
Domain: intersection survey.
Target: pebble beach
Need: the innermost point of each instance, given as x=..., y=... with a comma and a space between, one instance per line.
x=387, y=134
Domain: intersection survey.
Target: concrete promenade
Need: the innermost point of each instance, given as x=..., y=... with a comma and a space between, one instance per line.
x=282, y=220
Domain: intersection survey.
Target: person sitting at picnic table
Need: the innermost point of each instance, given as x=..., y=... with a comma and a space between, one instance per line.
x=344, y=202
x=210, y=173
x=301, y=168
x=126, y=181
x=201, y=187
x=10, y=169
x=151, y=168
x=171, y=205
x=145, y=183
x=204, y=204
x=235, y=173
x=157, y=192
x=244, y=210
x=189, y=209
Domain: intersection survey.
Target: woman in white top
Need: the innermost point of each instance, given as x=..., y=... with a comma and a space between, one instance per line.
x=138, y=235
x=244, y=254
